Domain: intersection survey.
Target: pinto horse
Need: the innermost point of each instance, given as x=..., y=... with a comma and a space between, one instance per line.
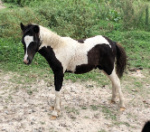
x=65, y=54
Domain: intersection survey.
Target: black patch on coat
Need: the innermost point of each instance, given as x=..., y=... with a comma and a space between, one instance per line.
x=112, y=43
x=55, y=64
x=101, y=56
x=83, y=39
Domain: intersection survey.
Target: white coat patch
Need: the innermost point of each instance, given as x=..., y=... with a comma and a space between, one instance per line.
x=75, y=53
x=96, y=40
x=27, y=39
x=81, y=51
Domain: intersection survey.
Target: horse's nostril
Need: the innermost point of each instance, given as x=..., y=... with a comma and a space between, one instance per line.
x=25, y=61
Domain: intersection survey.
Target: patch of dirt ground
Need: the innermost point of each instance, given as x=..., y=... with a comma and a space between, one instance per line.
x=1, y=5
x=85, y=107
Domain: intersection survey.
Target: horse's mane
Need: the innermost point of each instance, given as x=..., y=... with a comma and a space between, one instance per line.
x=49, y=38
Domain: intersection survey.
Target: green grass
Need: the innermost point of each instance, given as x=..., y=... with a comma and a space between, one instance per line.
x=122, y=123
x=72, y=110
x=109, y=114
x=102, y=130
x=94, y=107
x=73, y=21
x=136, y=44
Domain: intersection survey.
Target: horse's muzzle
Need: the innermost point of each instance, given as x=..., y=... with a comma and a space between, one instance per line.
x=27, y=61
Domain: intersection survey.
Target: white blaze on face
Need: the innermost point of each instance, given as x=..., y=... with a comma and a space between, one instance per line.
x=27, y=39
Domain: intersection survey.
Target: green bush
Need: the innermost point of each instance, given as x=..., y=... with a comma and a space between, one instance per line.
x=10, y=21
x=133, y=16
x=75, y=18
x=21, y=2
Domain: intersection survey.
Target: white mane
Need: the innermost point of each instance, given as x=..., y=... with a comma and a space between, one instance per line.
x=49, y=38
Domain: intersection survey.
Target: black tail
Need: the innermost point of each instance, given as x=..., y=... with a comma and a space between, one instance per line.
x=146, y=127
x=121, y=60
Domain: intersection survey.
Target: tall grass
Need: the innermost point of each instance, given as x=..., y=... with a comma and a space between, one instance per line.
x=133, y=16
x=69, y=18
x=10, y=21
x=78, y=19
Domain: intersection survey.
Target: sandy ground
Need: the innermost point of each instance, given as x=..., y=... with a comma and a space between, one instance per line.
x=1, y=5
x=85, y=108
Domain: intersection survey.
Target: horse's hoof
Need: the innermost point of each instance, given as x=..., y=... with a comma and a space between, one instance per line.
x=53, y=117
x=52, y=108
x=122, y=109
x=112, y=102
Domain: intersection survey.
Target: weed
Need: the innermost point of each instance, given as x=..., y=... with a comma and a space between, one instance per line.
x=122, y=123
x=72, y=110
x=83, y=107
x=9, y=99
x=94, y=107
x=42, y=123
x=86, y=117
x=138, y=84
x=30, y=92
x=108, y=113
x=102, y=130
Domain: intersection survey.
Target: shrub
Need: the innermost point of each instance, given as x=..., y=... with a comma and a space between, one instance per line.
x=78, y=19
x=127, y=11
x=21, y=2
x=133, y=16
x=10, y=21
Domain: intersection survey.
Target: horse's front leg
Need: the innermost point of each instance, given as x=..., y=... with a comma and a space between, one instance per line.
x=58, y=79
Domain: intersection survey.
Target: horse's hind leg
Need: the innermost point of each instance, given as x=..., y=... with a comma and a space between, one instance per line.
x=114, y=94
x=116, y=87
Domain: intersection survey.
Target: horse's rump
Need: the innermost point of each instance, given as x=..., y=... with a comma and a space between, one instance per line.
x=121, y=60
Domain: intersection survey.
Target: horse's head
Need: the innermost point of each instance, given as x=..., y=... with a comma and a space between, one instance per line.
x=31, y=41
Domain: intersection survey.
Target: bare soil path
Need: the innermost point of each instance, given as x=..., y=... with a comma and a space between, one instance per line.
x=85, y=106
x=1, y=5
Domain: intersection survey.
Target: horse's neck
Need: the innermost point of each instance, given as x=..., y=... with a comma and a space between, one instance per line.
x=49, y=38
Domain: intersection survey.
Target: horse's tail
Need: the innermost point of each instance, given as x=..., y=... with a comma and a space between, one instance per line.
x=121, y=60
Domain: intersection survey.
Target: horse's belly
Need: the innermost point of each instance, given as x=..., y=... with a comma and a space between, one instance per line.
x=79, y=69
x=77, y=60
x=83, y=68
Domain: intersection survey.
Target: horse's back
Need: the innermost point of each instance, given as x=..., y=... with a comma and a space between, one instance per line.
x=92, y=53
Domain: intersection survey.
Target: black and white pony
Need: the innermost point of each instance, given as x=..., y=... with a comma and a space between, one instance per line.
x=65, y=54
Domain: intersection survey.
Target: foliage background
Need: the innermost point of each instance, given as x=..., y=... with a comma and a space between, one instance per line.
x=124, y=21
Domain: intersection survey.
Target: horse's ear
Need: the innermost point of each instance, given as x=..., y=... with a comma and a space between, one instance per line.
x=36, y=29
x=22, y=26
